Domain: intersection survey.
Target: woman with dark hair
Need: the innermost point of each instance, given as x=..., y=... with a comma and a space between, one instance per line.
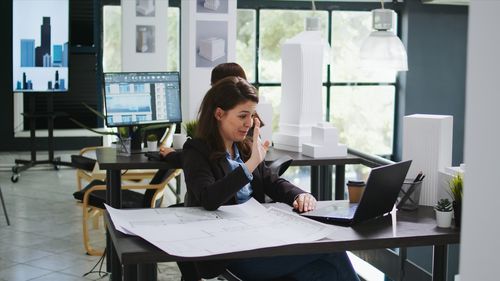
x=224, y=166
x=224, y=70
x=218, y=72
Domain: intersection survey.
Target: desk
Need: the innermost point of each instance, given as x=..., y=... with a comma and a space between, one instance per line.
x=113, y=164
x=321, y=183
x=412, y=229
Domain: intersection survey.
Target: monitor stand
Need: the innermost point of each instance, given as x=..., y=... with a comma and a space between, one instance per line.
x=23, y=165
x=136, y=141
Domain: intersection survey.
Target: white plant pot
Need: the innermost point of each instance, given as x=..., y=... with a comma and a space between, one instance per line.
x=443, y=219
x=152, y=146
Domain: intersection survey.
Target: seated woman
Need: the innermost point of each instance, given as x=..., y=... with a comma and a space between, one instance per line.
x=224, y=166
x=218, y=72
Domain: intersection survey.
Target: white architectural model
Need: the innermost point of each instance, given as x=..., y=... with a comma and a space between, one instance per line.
x=212, y=48
x=301, y=104
x=324, y=142
x=145, y=7
x=428, y=141
x=212, y=4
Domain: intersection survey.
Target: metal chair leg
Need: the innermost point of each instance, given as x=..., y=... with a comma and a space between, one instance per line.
x=4, y=209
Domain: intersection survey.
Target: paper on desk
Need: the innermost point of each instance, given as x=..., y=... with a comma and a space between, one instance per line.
x=243, y=227
x=126, y=221
x=272, y=228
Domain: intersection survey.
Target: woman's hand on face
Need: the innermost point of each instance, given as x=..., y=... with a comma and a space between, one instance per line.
x=304, y=202
x=259, y=149
x=164, y=151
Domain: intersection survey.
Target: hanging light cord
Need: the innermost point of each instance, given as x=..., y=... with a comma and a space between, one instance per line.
x=381, y=2
x=313, y=5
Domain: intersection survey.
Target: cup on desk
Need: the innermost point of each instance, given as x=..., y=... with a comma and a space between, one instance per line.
x=355, y=189
x=179, y=140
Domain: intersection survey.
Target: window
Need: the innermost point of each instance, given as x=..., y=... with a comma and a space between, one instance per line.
x=360, y=104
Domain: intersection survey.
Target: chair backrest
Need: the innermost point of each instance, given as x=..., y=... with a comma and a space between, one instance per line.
x=153, y=197
x=166, y=139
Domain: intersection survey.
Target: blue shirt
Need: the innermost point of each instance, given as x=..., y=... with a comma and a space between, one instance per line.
x=245, y=192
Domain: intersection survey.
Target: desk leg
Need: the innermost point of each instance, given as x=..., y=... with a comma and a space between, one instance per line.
x=130, y=273
x=439, y=263
x=147, y=272
x=114, y=198
x=339, y=182
x=315, y=182
x=326, y=182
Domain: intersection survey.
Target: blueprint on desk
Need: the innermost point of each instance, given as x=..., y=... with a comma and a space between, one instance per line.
x=195, y=232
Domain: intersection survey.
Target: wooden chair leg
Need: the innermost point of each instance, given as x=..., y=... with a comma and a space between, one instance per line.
x=95, y=215
x=86, y=241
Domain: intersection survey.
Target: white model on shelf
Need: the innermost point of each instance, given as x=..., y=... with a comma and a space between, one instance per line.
x=212, y=4
x=324, y=142
x=145, y=7
x=212, y=48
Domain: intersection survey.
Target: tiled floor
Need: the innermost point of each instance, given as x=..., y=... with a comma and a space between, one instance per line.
x=44, y=240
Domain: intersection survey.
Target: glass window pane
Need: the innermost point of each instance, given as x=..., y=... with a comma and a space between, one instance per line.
x=349, y=29
x=173, y=39
x=245, y=42
x=364, y=116
x=300, y=176
x=112, y=38
x=275, y=27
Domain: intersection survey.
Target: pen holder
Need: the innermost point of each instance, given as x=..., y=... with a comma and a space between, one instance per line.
x=123, y=146
x=409, y=196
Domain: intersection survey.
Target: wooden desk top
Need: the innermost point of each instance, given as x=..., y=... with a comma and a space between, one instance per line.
x=416, y=228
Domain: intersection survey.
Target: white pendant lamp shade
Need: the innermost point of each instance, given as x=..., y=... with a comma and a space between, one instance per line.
x=383, y=50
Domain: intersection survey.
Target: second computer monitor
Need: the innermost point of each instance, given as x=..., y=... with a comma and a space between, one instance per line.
x=135, y=98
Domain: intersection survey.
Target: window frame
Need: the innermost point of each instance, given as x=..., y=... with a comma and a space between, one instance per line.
x=329, y=7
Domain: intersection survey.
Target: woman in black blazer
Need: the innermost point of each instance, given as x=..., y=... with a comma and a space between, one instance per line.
x=224, y=166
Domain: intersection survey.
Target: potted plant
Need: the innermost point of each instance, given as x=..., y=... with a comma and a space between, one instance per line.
x=190, y=127
x=152, y=142
x=456, y=191
x=443, y=210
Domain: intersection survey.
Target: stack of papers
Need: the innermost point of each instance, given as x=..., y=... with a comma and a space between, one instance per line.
x=195, y=232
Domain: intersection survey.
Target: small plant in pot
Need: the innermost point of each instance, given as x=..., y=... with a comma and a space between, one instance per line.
x=443, y=210
x=152, y=142
x=456, y=191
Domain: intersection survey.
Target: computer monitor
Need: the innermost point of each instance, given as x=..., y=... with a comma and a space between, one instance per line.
x=139, y=98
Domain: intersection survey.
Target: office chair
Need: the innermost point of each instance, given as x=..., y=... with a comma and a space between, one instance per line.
x=93, y=197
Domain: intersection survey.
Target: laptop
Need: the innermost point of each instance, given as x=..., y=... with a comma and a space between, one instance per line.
x=380, y=195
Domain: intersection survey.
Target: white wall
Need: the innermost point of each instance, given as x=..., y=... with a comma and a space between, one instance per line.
x=480, y=241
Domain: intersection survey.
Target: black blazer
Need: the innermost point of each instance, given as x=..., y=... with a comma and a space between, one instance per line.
x=211, y=184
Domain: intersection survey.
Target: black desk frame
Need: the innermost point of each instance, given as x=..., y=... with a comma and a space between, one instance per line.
x=23, y=165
